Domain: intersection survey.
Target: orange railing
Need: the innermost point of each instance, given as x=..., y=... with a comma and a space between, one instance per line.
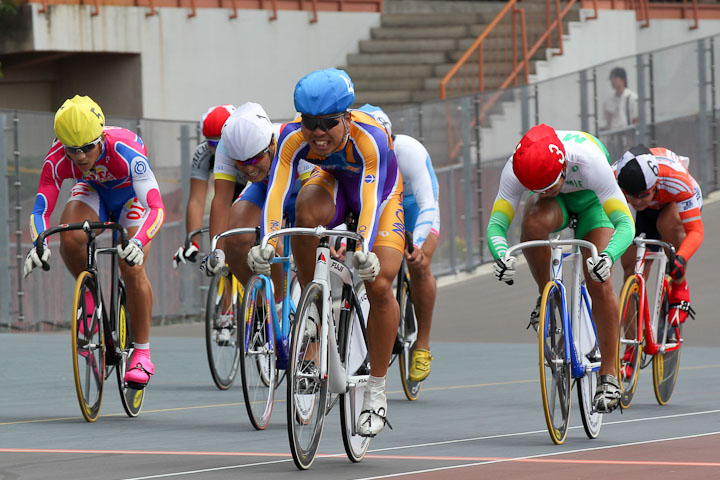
x=312, y=6
x=647, y=9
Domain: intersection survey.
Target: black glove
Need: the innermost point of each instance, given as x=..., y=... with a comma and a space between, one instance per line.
x=677, y=269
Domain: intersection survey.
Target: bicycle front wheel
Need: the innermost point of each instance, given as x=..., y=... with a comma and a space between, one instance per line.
x=306, y=390
x=88, y=347
x=355, y=361
x=666, y=363
x=587, y=384
x=629, y=346
x=406, y=337
x=555, y=378
x=222, y=332
x=257, y=353
x=132, y=399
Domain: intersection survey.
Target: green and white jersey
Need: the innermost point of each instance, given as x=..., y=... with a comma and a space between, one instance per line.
x=588, y=168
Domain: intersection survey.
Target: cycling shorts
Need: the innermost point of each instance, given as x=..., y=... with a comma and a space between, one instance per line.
x=256, y=193
x=122, y=206
x=585, y=206
x=391, y=229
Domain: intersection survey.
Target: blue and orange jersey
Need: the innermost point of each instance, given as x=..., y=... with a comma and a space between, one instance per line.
x=366, y=162
x=121, y=172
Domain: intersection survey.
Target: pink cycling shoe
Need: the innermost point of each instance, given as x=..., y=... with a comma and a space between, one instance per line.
x=140, y=369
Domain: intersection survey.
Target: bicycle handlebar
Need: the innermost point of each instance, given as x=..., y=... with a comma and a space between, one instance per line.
x=641, y=240
x=231, y=232
x=190, y=235
x=553, y=243
x=85, y=226
x=318, y=231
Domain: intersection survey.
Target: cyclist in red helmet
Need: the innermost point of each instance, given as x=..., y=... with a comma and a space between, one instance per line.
x=570, y=175
x=202, y=166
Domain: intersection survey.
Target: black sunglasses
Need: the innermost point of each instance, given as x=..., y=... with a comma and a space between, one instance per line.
x=85, y=148
x=323, y=123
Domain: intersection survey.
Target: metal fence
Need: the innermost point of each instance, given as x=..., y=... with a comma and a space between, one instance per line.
x=677, y=90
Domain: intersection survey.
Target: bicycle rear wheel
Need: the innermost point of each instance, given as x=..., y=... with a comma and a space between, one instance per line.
x=586, y=385
x=629, y=341
x=88, y=347
x=306, y=391
x=406, y=337
x=555, y=379
x=257, y=353
x=355, y=361
x=221, y=331
x=132, y=399
x=666, y=365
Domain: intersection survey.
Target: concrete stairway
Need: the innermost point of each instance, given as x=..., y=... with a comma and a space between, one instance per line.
x=417, y=43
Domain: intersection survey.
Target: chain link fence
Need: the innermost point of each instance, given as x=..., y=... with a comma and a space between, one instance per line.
x=469, y=140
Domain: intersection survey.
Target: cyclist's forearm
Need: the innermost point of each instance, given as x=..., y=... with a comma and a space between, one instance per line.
x=623, y=235
x=500, y=219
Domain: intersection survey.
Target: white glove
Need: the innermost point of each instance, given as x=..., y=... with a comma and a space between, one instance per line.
x=33, y=260
x=213, y=262
x=183, y=255
x=259, y=259
x=368, y=266
x=505, y=270
x=599, y=271
x=133, y=254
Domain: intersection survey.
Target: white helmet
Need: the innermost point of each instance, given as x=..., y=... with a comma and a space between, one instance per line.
x=247, y=132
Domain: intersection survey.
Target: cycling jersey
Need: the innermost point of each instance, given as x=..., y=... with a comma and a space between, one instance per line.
x=420, y=188
x=120, y=174
x=676, y=185
x=365, y=169
x=588, y=168
x=203, y=163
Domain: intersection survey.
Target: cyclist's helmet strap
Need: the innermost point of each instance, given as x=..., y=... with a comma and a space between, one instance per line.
x=637, y=170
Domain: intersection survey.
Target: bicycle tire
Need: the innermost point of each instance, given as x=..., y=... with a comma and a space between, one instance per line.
x=666, y=365
x=222, y=335
x=131, y=399
x=555, y=381
x=355, y=361
x=629, y=349
x=88, y=348
x=586, y=386
x=406, y=337
x=306, y=391
x=257, y=353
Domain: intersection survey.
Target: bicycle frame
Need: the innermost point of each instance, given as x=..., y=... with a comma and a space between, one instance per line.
x=330, y=362
x=652, y=345
x=578, y=294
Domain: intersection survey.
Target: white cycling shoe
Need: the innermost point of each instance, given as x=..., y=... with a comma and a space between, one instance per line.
x=374, y=408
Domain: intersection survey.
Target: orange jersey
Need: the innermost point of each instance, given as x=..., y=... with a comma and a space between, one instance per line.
x=675, y=184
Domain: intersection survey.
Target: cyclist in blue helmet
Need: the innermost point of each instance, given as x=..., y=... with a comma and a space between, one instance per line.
x=355, y=171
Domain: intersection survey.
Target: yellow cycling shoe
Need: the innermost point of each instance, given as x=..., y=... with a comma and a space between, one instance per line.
x=420, y=365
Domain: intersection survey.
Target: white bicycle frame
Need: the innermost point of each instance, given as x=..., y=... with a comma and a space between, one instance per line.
x=556, y=261
x=330, y=363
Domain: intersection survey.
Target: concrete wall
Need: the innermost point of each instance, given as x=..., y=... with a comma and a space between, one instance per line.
x=615, y=34
x=188, y=64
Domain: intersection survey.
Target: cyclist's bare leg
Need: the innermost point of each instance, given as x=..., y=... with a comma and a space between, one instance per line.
x=139, y=294
x=242, y=214
x=542, y=216
x=73, y=244
x=423, y=291
x=671, y=230
x=384, y=316
x=314, y=206
x=605, y=308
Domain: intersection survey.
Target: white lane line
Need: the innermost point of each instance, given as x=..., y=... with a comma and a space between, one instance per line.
x=206, y=470
x=515, y=459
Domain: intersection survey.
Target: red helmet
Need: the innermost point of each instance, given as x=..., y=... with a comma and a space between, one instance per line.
x=214, y=119
x=539, y=158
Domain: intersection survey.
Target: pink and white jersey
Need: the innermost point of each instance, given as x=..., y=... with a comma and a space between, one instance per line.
x=120, y=174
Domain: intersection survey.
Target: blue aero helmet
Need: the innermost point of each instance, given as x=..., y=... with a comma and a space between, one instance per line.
x=324, y=92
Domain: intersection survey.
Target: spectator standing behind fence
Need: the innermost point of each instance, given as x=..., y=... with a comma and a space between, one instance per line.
x=620, y=109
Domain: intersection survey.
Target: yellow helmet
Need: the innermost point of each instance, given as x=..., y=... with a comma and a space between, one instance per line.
x=79, y=121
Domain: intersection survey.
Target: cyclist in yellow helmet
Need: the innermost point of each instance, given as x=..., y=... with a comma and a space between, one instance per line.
x=113, y=182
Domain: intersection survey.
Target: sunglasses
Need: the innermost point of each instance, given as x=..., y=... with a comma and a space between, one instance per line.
x=85, y=148
x=256, y=159
x=323, y=123
x=642, y=195
x=213, y=143
x=553, y=184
